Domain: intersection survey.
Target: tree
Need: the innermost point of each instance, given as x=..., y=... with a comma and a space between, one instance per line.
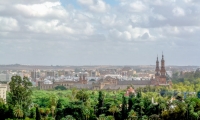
x=154, y=117
x=124, y=108
x=110, y=117
x=60, y=87
x=102, y=117
x=20, y=93
x=198, y=94
x=82, y=95
x=59, y=110
x=130, y=103
x=132, y=115
x=18, y=112
x=197, y=73
x=38, y=117
x=100, y=103
x=86, y=112
x=69, y=117
x=113, y=109
x=53, y=104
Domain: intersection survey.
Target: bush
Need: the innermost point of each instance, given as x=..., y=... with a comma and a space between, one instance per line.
x=60, y=88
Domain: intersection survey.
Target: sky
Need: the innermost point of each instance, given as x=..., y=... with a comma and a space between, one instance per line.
x=99, y=32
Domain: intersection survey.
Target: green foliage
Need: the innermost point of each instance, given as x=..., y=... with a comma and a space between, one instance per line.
x=100, y=103
x=75, y=109
x=150, y=102
x=38, y=116
x=197, y=73
x=18, y=112
x=19, y=95
x=5, y=111
x=198, y=94
x=82, y=95
x=60, y=87
x=124, y=108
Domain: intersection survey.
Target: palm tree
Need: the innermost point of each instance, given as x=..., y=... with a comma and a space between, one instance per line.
x=141, y=104
x=102, y=117
x=74, y=92
x=69, y=117
x=53, y=103
x=110, y=117
x=132, y=115
x=47, y=111
x=113, y=109
x=154, y=117
x=17, y=111
x=53, y=110
x=86, y=112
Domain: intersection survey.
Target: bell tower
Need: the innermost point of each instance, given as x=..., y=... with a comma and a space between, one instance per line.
x=162, y=71
x=157, y=68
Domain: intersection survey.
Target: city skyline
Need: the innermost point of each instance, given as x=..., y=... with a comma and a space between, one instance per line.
x=99, y=32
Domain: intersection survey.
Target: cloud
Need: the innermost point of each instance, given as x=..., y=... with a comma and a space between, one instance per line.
x=98, y=31
x=124, y=35
x=145, y=36
x=8, y=24
x=94, y=5
x=178, y=12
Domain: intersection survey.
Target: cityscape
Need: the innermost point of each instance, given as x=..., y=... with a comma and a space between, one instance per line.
x=99, y=60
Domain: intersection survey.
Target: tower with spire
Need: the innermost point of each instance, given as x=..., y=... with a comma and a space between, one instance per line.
x=157, y=68
x=160, y=73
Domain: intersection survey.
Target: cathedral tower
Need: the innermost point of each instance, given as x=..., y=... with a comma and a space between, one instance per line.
x=157, y=68
x=162, y=72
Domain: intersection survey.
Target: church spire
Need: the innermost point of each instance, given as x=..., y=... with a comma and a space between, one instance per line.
x=157, y=67
x=162, y=71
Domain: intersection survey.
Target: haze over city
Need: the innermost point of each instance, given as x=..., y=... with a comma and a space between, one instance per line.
x=99, y=32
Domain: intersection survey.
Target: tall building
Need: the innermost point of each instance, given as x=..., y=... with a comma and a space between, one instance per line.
x=160, y=74
x=5, y=77
x=35, y=74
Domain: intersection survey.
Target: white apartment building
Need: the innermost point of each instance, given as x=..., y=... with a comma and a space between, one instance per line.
x=3, y=89
x=5, y=77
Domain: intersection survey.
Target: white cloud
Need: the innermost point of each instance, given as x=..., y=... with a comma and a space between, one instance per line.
x=42, y=10
x=124, y=35
x=95, y=5
x=8, y=24
x=86, y=2
x=96, y=29
x=50, y=27
x=89, y=29
x=138, y=6
x=178, y=12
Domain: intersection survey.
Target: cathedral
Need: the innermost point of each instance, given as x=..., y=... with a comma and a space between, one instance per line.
x=110, y=83
x=160, y=74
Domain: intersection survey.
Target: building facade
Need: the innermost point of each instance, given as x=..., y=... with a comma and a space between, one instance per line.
x=113, y=82
x=160, y=74
x=3, y=90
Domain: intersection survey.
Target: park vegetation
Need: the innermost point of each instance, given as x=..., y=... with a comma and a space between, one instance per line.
x=178, y=102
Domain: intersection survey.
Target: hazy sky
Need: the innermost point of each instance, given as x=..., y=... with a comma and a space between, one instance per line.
x=99, y=32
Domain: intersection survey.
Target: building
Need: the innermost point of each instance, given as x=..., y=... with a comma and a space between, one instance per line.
x=3, y=89
x=113, y=81
x=110, y=83
x=35, y=74
x=5, y=77
x=160, y=74
x=48, y=84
